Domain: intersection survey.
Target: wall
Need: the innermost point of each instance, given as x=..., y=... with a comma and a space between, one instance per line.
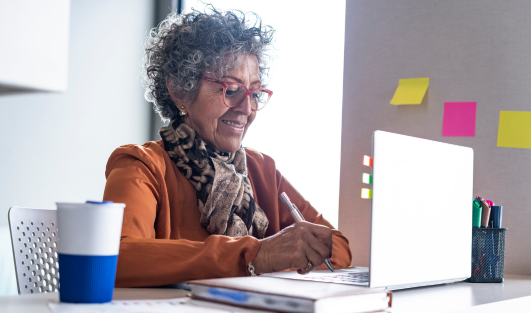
x=474, y=50
x=22, y=68
x=300, y=128
x=55, y=145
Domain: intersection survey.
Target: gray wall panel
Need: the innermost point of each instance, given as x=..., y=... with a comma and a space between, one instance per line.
x=471, y=51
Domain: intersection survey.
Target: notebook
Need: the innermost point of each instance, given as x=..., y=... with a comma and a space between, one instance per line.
x=421, y=215
x=285, y=295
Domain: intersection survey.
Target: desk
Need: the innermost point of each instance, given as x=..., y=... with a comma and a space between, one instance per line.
x=465, y=297
x=513, y=295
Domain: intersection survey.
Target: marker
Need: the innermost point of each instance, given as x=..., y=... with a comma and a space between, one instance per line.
x=485, y=213
x=476, y=213
x=496, y=216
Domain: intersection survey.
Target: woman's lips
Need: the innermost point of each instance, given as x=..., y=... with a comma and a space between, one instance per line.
x=235, y=124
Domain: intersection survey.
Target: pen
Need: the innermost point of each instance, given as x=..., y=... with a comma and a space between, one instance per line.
x=297, y=216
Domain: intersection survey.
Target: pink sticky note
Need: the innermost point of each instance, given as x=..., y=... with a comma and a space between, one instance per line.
x=459, y=119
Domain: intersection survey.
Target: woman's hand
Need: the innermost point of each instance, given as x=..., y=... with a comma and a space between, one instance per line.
x=293, y=247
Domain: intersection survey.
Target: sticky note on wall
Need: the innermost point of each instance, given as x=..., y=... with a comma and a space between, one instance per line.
x=410, y=91
x=459, y=119
x=514, y=129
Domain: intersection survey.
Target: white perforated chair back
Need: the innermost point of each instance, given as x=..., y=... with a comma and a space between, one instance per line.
x=34, y=239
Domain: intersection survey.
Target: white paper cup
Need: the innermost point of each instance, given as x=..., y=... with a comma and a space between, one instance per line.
x=88, y=244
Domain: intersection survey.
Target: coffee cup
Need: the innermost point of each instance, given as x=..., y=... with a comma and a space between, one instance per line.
x=88, y=244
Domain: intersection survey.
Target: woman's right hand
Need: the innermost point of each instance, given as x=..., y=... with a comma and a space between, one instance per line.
x=293, y=247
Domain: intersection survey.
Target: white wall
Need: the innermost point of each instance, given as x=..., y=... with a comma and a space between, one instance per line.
x=55, y=145
x=301, y=126
x=38, y=59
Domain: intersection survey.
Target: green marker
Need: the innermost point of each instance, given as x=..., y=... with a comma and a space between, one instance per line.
x=476, y=213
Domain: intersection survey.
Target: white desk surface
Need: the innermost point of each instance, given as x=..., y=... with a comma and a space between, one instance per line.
x=514, y=295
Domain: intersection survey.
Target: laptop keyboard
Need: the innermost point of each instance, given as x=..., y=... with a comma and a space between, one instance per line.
x=347, y=278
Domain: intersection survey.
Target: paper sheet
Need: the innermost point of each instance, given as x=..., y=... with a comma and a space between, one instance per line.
x=179, y=305
x=410, y=91
x=514, y=130
x=459, y=119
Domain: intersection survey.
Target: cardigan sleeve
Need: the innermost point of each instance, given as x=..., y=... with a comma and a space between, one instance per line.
x=269, y=183
x=144, y=258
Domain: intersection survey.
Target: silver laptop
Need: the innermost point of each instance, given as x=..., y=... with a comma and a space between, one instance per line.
x=421, y=216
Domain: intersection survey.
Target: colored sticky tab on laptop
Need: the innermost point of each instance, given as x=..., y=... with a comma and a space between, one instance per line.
x=367, y=178
x=366, y=193
x=367, y=160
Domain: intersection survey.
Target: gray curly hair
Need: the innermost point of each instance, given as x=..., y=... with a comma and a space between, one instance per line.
x=184, y=47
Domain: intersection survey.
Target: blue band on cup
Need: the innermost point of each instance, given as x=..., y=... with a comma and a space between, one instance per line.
x=86, y=278
x=99, y=202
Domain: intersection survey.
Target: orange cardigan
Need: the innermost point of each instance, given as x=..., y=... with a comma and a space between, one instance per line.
x=163, y=241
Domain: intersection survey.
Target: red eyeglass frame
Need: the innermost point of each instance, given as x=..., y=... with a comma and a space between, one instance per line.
x=247, y=92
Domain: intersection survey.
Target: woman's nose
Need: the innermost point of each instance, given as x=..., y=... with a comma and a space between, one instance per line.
x=245, y=106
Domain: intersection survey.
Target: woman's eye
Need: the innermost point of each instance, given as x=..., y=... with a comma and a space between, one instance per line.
x=232, y=90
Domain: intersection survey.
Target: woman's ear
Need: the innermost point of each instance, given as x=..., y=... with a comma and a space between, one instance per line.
x=172, y=94
x=178, y=102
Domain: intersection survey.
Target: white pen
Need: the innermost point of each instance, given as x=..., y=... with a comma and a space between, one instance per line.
x=297, y=216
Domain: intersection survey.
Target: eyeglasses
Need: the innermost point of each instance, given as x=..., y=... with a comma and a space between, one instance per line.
x=235, y=93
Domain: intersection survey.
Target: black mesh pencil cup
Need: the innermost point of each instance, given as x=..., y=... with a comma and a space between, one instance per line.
x=488, y=252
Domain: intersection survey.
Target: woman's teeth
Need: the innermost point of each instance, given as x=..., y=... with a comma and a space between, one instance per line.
x=233, y=124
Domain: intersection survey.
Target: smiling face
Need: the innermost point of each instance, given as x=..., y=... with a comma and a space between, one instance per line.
x=218, y=125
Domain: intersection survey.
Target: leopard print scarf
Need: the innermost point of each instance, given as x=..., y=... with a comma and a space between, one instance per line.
x=223, y=189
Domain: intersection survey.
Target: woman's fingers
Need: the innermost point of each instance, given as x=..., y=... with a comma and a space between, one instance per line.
x=315, y=251
x=319, y=247
x=323, y=233
x=293, y=247
x=315, y=258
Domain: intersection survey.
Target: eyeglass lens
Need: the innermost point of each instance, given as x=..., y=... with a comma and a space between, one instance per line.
x=235, y=94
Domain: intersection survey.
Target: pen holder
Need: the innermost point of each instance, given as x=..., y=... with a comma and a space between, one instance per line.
x=488, y=254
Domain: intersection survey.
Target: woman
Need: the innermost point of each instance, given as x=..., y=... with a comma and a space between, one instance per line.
x=199, y=205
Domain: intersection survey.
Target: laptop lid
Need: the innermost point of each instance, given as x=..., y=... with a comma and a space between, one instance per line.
x=421, y=212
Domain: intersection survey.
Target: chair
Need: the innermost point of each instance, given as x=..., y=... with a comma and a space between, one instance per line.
x=34, y=240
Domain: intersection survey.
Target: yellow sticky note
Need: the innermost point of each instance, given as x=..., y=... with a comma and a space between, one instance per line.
x=514, y=130
x=410, y=91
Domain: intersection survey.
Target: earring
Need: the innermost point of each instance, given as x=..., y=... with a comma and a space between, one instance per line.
x=182, y=113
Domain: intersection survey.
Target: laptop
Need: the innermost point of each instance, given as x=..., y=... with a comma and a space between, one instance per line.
x=421, y=216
